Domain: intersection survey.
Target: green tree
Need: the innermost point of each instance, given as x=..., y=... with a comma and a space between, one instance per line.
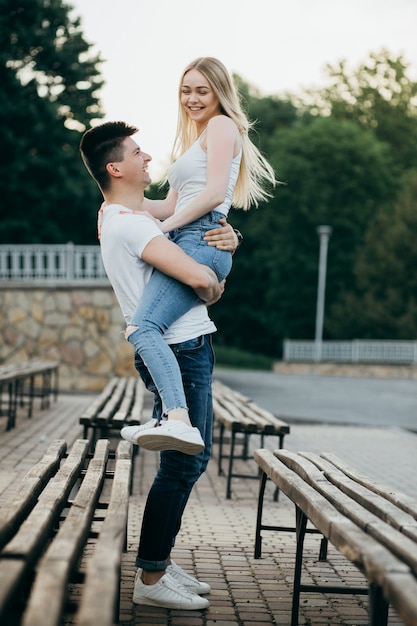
x=49, y=83
x=268, y=113
x=378, y=95
x=335, y=173
x=385, y=304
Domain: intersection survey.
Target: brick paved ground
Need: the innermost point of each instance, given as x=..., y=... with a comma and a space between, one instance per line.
x=216, y=540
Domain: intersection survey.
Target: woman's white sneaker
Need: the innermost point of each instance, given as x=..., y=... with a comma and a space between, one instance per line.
x=130, y=432
x=171, y=435
x=167, y=593
x=187, y=580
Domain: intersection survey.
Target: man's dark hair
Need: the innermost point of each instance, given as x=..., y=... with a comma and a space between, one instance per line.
x=101, y=145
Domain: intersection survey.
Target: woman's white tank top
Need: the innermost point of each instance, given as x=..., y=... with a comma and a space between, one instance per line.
x=188, y=177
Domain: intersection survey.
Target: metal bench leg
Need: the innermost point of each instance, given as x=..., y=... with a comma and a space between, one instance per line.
x=56, y=384
x=13, y=401
x=46, y=390
x=323, y=549
x=135, y=453
x=378, y=606
x=301, y=524
x=280, y=444
x=258, y=537
x=20, y=387
x=31, y=395
x=230, y=470
x=245, y=449
x=219, y=463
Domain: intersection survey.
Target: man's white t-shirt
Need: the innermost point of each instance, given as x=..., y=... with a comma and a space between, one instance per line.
x=124, y=236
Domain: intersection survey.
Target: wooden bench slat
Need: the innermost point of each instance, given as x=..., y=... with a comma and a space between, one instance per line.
x=353, y=509
x=19, y=555
x=14, y=511
x=55, y=493
x=97, y=404
x=379, y=504
x=137, y=409
x=241, y=415
x=113, y=403
x=55, y=567
x=19, y=370
x=20, y=380
x=98, y=605
x=401, y=500
x=235, y=414
x=342, y=532
x=121, y=403
x=120, y=417
x=245, y=411
x=400, y=590
x=374, y=547
x=52, y=540
x=268, y=418
x=231, y=419
x=251, y=416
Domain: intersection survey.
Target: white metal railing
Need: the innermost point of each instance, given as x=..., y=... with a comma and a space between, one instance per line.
x=55, y=262
x=356, y=351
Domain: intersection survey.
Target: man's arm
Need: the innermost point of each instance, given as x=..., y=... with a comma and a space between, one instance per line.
x=167, y=257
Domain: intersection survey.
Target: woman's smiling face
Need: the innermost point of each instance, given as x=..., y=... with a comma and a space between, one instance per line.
x=198, y=98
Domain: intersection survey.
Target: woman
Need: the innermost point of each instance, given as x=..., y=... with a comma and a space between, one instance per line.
x=215, y=166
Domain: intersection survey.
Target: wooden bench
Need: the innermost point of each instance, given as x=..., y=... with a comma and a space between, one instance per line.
x=121, y=403
x=64, y=531
x=240, y=416
x=372, y=525
x=26, y=381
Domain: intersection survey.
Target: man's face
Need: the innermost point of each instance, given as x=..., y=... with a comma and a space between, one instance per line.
x=135, y=163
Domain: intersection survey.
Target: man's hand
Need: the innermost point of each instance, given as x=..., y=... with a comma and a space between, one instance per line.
x=224, y=238
x=212, y=290
x=219, y=295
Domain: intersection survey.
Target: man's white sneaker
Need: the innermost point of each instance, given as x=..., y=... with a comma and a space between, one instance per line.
x=187, y=580
x=172, y=435
x=167, y=593
x=130, y=432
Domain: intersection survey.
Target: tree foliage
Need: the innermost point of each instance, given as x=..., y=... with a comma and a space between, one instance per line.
x=334, y=173
x=49, y=82
x=267, y=113
x=385, y=302
x=378, y=95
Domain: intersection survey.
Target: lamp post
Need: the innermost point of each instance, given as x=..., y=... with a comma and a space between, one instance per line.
x=324, y=233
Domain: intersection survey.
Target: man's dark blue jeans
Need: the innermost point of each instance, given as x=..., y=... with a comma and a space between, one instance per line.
x=177, y=472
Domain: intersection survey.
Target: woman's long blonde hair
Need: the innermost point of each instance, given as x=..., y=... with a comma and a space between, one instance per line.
x=255, y=171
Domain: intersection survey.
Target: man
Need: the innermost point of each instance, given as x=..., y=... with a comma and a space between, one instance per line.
x=132, y=245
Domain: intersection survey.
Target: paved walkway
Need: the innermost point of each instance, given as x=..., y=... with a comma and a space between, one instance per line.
x=216, y=540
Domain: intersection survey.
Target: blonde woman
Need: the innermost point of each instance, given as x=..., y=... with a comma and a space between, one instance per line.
x=215, y=166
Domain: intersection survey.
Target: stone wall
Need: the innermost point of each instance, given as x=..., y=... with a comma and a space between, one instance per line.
x=79, y=325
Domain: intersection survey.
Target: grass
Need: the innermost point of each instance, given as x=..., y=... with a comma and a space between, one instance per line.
x=241, y=359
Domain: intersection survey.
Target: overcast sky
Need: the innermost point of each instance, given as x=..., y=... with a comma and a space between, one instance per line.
x=277, y=46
